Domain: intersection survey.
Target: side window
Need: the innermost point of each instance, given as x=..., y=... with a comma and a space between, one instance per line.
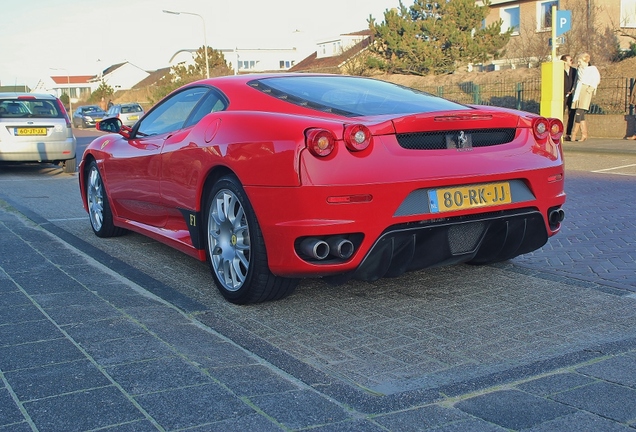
x=213, y=102
x=172, y=113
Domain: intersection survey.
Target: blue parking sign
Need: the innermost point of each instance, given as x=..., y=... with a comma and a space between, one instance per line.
x=564, y=21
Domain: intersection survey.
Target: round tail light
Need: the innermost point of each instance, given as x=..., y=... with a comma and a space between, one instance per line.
x=556, y=130
x=541, y=128
x=357, y=137
x=320, y=142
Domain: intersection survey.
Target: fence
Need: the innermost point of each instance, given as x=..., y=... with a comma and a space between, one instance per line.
x=612, y=95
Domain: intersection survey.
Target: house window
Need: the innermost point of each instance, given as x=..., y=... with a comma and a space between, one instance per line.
x=286, y=64
x=510, y=18
x=544, y=14
x=246, y=64
x=628, y=14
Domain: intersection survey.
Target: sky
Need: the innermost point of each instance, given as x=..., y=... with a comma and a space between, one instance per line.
x=42, y=38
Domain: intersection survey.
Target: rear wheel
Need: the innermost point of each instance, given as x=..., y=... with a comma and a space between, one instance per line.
x=236, y=249
x=99, y=211
x=69, y=165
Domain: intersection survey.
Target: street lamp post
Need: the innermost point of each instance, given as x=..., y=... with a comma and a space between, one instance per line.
x=68, y=85
x=205, y=42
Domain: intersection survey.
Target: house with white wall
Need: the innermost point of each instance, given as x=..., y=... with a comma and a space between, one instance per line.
x=122, y=76
x=76, y=86
x=336, y=45
x=248, y=60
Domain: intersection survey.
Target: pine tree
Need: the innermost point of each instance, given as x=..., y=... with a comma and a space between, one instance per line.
x=434, y=37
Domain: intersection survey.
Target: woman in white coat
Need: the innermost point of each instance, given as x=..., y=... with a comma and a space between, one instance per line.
x=588, y=79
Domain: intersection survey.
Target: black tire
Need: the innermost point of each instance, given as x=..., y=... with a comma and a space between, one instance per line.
x=236, y=250
x=99, y=213
x=69, y=165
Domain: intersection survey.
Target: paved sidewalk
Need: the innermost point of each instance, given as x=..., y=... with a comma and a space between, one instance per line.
x=601, y=145
x=84, y=348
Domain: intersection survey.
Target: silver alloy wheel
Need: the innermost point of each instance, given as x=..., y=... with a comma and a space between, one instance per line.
x=95, y=198
x=229, y=240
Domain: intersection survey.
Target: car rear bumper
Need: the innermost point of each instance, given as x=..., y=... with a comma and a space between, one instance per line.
x=386, y=239
x=482, y=239
x=38, y=151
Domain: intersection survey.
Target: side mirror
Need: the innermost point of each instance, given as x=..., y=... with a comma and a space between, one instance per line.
x=112, y=125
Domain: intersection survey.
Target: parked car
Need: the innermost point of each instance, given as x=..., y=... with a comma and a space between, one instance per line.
x=87, y=116
x=128, y=113
x=271, y=178
x=36, y=128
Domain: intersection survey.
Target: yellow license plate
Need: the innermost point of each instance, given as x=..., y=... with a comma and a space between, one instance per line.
x=467, y=197
x=135, y=117
x=30, y=131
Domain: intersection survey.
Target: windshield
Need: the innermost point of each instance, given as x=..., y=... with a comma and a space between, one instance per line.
x=352, y=96
x=91, y=109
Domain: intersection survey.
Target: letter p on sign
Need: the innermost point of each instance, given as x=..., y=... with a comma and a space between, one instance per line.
x=564, y=21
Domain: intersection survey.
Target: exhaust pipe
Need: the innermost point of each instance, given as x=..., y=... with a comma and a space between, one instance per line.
x=555, y=217
x=340, y=247
x=314, y=248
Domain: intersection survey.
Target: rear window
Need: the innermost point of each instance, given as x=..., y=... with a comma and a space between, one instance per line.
x=352, y=96
x=29, y=108
x=127, y=109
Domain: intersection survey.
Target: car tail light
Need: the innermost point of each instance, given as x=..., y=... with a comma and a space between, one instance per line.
x=556, y=130
x=320, y=142
x=357, y=137
x=60, y=106
x=541, y=129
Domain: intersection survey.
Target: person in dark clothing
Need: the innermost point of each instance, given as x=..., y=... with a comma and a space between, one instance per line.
x=569, y=84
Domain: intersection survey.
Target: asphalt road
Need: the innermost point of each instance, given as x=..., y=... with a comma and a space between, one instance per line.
x=395, y=345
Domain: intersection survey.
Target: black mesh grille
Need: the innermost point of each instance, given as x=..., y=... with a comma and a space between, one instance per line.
x=439, y=140
x=463, y=238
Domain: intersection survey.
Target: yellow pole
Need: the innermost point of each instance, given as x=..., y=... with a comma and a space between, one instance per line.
x=552, y=80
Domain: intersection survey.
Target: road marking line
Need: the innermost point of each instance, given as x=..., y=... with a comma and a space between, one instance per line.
x=614, y=168
x=619, y=174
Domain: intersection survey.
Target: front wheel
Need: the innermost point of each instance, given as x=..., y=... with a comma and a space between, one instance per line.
x=236, y=249
x=99, y=212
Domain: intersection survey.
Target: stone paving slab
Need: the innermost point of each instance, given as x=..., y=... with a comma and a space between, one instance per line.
x=598, y=358
x=138, y=366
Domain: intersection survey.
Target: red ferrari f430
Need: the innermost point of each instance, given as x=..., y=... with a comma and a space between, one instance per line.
x=273, y=178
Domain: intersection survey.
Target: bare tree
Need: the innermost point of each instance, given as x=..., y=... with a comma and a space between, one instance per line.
x=587, y=33
x=529, y=47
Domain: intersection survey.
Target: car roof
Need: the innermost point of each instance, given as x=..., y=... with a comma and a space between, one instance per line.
x=16, y=95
